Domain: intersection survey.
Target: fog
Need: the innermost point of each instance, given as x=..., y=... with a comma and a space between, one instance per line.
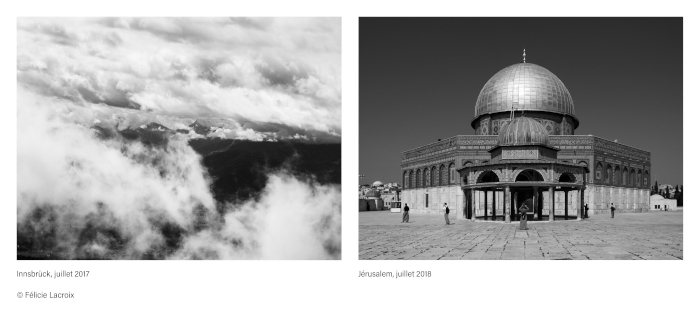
x=79, y=196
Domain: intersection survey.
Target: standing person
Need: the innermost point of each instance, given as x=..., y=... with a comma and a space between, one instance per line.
x=405, y=214
x=523, y=217
x=447, y=214
x=586, y=214
x=612, y=210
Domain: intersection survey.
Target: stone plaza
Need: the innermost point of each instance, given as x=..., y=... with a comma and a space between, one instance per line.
x=628, y=236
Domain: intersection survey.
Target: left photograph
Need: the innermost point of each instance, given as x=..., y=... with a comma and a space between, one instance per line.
x=178, y=138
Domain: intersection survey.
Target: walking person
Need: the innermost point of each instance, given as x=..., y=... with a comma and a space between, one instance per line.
x=612, y=210
x=586, y=213
x=523, y=217
x=405, y=214
x=447, y=214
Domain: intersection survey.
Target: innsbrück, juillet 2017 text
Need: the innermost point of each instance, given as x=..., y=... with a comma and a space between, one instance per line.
x=56, y=274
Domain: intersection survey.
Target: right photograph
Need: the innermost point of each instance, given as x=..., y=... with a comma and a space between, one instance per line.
x=521, y=139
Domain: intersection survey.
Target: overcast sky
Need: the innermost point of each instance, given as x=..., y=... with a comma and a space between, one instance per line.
x=258, y=78
x=263, y=77
x=420, y=78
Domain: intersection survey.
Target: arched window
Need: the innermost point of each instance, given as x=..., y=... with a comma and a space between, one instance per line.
x=453, y=172
x=428, y=179
x=646, y=178
x=410, y=180
x=608, y=174
x=616, y=176
x=405, y=179
x=419, y=181
x=632, y=174
x=436, y=176
x=443, y=175
x=624, y=176
x=599, y=171
x=639, y=177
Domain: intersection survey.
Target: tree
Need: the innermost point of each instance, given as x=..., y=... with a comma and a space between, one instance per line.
x=655, y=190
x=668, y=194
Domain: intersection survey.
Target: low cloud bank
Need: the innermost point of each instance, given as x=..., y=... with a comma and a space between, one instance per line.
x=80, y=196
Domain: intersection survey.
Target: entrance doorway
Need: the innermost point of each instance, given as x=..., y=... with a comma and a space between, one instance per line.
x=525, y=195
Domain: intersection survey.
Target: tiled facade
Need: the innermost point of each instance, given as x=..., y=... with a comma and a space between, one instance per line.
x=618, y=174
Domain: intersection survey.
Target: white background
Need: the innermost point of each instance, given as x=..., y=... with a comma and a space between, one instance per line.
x=335, y=284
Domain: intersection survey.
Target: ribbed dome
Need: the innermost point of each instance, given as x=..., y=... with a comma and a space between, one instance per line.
x=525, y=86
x=373, y=193
x=523, y=131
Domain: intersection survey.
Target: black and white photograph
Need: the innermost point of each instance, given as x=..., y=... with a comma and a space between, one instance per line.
x=521, y=139
x=215, y=138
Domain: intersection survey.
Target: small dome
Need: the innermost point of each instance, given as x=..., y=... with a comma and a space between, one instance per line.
x=373, y=193
x=523, y=131
x=377, y=183
x=524, y=86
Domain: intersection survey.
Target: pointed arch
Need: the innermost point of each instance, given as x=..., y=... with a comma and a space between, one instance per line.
x=529, y=175
x=405, y=179
x=443, y=175
x=419, y=178
x=487, y=176
x=631, y=177
x=567, y=177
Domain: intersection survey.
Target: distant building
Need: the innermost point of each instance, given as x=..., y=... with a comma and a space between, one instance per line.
x=374, y=199
x=659, y=203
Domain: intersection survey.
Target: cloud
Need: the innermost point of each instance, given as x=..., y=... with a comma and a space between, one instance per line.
x=83, y=196
x=284, y=71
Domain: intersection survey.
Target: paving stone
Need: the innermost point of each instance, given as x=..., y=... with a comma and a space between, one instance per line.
x=629, y=236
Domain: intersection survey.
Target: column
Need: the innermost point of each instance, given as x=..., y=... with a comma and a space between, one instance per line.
x=551, y=203
x=486, y=204
x=580, y=205
x=472, y=205
x=515, y=203
x=462, y=210
x=506, y=200
x=535, y=202
x=493, y=204
x=566, y=204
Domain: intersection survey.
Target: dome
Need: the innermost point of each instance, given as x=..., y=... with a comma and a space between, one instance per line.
x=373, y=193
x=525, y=86
x=377, y=183
x=523, y=131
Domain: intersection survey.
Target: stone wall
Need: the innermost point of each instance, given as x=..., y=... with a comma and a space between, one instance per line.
x=437, y=196
x=599, y=197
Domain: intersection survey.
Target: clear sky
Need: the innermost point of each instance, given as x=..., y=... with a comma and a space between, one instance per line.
x=420, y=78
